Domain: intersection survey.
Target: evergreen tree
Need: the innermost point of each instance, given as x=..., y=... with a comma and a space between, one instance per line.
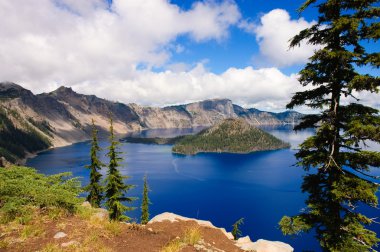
x=341, y=178
x=115, y=188
x=236, y=232
x=145, y=203
x=94, y=189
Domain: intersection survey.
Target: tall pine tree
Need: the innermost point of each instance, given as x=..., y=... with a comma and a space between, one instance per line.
x=145, y=203
x=340, y=180
x=115, y=188
x=94, y=188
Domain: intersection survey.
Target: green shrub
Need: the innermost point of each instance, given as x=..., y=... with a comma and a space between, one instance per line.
x=22, y=188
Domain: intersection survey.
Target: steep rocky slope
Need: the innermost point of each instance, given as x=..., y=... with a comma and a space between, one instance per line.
x=63, y=116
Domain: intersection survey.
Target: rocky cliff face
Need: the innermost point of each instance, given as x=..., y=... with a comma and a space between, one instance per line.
x=208, y=113
x=63, y=116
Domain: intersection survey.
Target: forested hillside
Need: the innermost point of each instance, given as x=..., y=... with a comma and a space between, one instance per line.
x=19, y=137
x=231, y=135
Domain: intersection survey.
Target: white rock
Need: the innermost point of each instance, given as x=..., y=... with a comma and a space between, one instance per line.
x=150, y=229
x=86, y=204
x=271, y=246
x=227, y=234
x=60, y=235
x=175, y=217
x=101, y=214
x=243, y=240
x=70, y=243
x=244, y=243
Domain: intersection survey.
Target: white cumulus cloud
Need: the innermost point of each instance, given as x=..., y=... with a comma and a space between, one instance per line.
x=273, y=33
x=72, y=41
x=266, y=88
x=99, y=48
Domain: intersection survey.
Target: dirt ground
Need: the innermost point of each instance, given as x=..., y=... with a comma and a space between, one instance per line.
x=89, y=233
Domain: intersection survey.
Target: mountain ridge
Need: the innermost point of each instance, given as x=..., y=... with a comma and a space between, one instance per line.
x=64, y=116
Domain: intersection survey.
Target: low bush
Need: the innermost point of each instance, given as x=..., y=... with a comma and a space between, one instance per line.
x=22, y=188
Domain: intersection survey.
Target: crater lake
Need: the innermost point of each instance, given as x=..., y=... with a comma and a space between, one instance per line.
x=261, y=187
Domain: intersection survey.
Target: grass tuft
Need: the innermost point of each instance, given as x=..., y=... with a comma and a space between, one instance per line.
x=30, y=231
x=192, y=236
x=173, y=246
x=51, y=247
x=86, y=213
x=4, y=244
x=113, y=228
x=55, y=213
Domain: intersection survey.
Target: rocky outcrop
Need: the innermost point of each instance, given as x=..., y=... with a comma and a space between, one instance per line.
x=261, y=245
x=4, y=162
x=60, y=235
x=243, y=243
x=208, y=113
x=63, y=116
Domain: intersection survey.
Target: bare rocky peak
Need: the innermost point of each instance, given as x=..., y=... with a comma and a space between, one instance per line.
x=63, y=91
x=12, y=90
x=222, y=106
x=211, y=104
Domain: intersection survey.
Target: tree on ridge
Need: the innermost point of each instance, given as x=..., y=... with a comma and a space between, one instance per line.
x=340, y=180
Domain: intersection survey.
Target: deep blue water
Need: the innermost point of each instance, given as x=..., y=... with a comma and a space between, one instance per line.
x=261, y=187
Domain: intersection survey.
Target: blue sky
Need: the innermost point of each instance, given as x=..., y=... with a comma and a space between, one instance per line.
x=240, y=49
x=158, y=52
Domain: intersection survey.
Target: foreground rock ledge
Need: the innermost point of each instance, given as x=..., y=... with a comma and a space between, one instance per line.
x=244, y=243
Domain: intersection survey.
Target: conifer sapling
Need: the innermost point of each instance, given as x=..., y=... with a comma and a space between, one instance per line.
x=236, y=232
x=145, y=203
x=116, y=190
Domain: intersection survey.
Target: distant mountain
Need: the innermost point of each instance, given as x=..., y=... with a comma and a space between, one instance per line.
x=63, y=116
x=232, y=136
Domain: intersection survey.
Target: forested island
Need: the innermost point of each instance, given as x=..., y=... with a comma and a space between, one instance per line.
x=232, y=136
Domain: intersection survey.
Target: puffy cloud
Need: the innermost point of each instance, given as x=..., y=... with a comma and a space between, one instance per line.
x=265, y=88
x=74, y=41
x=273, y=34
x=365, y=97
x=98, y=48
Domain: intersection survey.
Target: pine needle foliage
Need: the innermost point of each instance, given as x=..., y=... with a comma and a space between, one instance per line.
x=116, y=190
x=340, y=166
x=145, y=203
x=22, y=188
x=236, y=232
x=94, y=188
